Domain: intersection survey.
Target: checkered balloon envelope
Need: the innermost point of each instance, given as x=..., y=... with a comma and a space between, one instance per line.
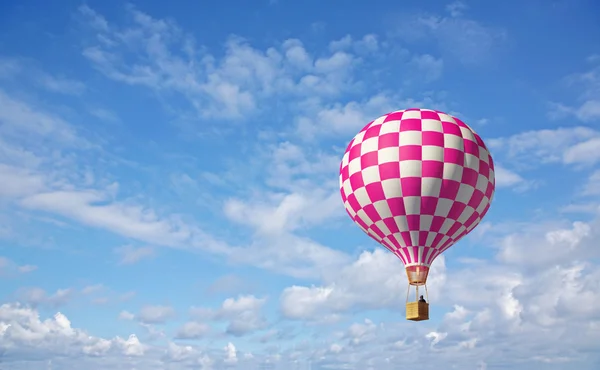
x=417, y=181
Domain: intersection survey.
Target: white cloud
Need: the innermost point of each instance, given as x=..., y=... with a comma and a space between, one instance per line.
x=587, y=85
x=38, y=296
x=543, y=244
x=25, y=335
x=129, y=254
x=9, y=267
x=466, y=40
x=592, y=186
x=576, y=145
x=352, y=287
x=231, y=88
x=192, y=330
x=456, y=8
x=428, y=67
x=243, y=314
x=155, y=314
x=506, y=178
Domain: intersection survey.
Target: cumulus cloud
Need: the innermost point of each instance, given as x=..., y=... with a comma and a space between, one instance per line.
x=242, y=314
x=587, y=85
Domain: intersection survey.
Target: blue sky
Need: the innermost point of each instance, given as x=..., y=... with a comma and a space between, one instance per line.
x=169, y=173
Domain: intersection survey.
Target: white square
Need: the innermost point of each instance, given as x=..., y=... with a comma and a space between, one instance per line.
x=467, y=134
x=354, y=166
x=431, y=186
x=369, y=145
x=411, y=114
x=383, y=209
x=410, y=168
x=371, y=175
x=431, y=125
x=453, y=172
x=443, y=207
x=465, y=192
x=432, y=153
x=391, y=188
x=389, y=127
x=446, y=118
x=454, y=142
x=472, y=162
x=412, y=205
x=358, y=138
x=411, y=138
x=386, y=155
x=362, y=197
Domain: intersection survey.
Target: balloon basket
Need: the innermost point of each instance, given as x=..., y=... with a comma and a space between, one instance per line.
x=417, y=311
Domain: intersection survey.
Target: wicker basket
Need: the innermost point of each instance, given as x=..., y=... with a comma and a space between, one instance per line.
x=417, y=311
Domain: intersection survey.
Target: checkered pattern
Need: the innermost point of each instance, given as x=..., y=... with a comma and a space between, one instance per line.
x=417, y=181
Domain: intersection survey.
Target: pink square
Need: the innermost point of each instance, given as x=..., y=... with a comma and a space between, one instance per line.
x=428, y=205
x=410, y=124
x=438, y=238
x=454, y=228
x=476, y=198
x=396, y=244
x=479, y=141
x=433, y=169
x=454, y=156
x=386, y=243
x=484, y=168
x=425, y=114
x=472, y=219
x=371, y=211
x=433, y=138
x=375, y=192
x=471, y=147
x=451, y=128
x=354, y=152
x=449, y=189
x=485, y=210
x=345, y=173
x=396, y=116
x=411, y=186
x=354, y=203
x=423, y=238
x=491, y=160
x=396, y=206
x=415, y=251
x=436, y=223
x=390, y=170
x=413, y=222
x=373, y=131
x=391, y=224
x=407, y=240
x=410, y=152
x=377, y=231
x=356, y=181
x=469, y=176
x=460, y=123
x=390, y=140
x=359, y=221
x=369, y=159
x=489, y=190
x=456, y=210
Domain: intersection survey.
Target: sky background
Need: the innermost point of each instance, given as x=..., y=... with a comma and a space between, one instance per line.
x=169, y=184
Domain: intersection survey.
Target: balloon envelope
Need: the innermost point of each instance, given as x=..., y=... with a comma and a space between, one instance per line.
x=417, y=181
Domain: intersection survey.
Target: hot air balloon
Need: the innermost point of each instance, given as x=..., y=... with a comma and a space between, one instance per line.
x=417, y=181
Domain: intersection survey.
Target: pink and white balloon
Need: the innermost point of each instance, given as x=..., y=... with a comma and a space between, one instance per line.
x=417, y=181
